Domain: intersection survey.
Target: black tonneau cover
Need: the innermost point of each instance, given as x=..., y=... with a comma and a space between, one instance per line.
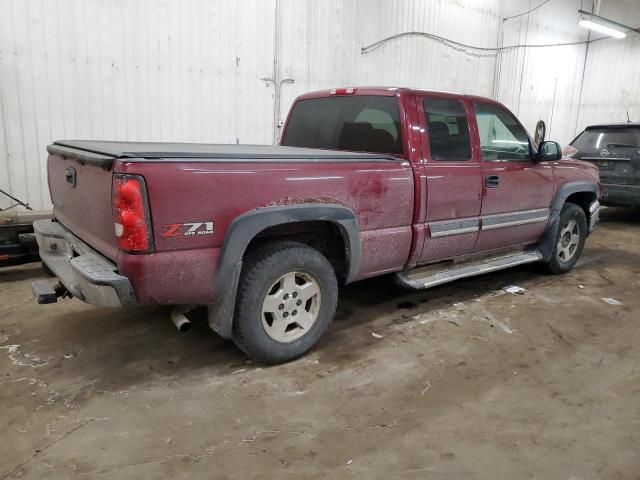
x=103, y=153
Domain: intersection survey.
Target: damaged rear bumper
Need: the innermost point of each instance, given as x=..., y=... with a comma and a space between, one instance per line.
x=85, y=273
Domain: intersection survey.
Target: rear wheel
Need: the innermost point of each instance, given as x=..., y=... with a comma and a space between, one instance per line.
x=570, y=238
x=286, y=300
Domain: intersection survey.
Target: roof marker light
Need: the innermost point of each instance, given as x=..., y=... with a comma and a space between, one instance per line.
x=343, y=91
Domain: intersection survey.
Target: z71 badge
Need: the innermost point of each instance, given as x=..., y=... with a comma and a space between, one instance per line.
x=187, y=229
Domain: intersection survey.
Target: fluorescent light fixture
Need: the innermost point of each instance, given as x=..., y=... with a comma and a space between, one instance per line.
x=603, y=25
x=601, y=28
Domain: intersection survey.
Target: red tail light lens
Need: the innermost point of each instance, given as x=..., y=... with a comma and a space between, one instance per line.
x=131, y=214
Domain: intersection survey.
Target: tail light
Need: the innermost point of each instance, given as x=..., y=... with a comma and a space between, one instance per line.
x=569, y=151
x=131, y=214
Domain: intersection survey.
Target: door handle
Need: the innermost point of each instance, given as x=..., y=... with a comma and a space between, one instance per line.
x=491, y=181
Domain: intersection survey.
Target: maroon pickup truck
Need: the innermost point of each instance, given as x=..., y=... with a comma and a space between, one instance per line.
x=367, y=181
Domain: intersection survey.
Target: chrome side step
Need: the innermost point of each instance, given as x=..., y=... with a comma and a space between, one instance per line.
x=430, y=275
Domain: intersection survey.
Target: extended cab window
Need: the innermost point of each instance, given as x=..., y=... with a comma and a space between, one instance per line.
x=358, y=123
x=501, y=136
x=448, y=130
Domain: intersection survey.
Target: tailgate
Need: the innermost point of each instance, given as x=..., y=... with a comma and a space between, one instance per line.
x=80, y=185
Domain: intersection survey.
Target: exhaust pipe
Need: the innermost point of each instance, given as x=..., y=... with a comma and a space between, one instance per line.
x=182, y=323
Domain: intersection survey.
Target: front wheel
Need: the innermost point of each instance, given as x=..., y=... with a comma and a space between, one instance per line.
x=286, y=300
x=570, y=238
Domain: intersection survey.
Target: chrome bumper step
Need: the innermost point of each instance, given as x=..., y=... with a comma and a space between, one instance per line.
x=84, y=273
x=433, y=275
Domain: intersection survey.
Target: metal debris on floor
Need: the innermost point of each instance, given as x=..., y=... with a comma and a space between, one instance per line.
x=611, y=301
x=514, y=289
x=455, y=321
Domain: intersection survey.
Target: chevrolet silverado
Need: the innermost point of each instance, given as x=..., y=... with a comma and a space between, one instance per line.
x=428, y=186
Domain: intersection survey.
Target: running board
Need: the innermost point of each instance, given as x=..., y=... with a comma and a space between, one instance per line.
x=430, y=276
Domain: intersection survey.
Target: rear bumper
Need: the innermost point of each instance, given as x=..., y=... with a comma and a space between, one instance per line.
x=620, y=194
x=85, y=273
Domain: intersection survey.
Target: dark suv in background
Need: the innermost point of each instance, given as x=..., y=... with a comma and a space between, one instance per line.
x=615, y=149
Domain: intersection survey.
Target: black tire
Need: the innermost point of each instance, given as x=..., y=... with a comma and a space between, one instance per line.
x=559, y=261
x=263, y=267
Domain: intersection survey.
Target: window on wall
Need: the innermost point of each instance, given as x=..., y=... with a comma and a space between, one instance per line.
x=447, y=130
x=501, y=136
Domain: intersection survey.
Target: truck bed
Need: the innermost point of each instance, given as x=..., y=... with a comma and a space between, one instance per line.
x=187, y=182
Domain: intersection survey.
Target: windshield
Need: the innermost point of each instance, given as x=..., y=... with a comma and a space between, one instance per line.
x=357, y=123
x=610, y=139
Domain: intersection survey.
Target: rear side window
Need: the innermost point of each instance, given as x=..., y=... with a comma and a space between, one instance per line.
x=501, y=136
x=611, y=139
x=448, y=130
x=357, y=123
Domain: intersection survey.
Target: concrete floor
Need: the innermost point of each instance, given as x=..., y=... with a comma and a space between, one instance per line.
x=465, y=382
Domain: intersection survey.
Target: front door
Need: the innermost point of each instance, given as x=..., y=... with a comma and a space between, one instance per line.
x=516, y=190
x=454, y=186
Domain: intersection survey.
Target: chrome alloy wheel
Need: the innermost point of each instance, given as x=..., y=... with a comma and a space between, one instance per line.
x=291, y=306
x=568, y=241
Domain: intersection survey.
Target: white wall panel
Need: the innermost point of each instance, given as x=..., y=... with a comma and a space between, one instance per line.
x=555, y=84
x=190, y=70
x=322, y=44
x=612, y=81
x=128, y=70
x=543, y=83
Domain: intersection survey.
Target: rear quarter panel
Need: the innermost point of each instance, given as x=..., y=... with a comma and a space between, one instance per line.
x=182, y=268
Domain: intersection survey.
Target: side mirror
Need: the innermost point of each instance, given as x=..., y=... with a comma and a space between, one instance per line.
x=541, y=130
x=549, y=151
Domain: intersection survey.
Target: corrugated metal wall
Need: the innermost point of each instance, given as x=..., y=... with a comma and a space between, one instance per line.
x=322, y=43
x=612, y=83
x=193, y=70
x=542, y=83
x=561, y=85
x=129, y=70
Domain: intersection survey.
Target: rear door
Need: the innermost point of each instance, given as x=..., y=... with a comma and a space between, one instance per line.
x=516, y=190
x=453, y=172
